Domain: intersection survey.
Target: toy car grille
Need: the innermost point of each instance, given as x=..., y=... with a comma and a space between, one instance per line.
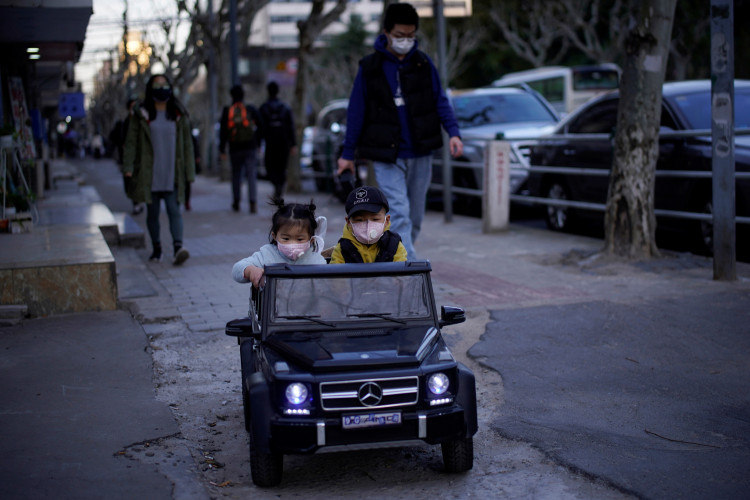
x=369, y=393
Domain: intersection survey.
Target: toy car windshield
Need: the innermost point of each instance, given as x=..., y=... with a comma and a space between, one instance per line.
x=333, y=300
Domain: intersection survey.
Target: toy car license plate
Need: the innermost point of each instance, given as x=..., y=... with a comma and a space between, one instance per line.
x=361, y=420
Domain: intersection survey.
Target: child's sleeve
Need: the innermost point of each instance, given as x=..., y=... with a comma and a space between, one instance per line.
x=238, y=270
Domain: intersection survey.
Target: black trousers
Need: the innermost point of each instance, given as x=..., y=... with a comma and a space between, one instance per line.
x=276, y=160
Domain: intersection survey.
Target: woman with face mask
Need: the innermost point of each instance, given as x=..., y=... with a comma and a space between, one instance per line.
x=158, y=155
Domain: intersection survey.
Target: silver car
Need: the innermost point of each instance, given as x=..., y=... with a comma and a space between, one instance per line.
x=494, y=113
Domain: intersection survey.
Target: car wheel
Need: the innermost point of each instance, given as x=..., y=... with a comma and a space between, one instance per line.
x=321, y=183
x=705, y=233
x=466, y=204
x=458, y=455
x=558, y=218
x=265, y=468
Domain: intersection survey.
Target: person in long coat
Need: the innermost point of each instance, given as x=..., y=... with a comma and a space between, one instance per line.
x=158, y=155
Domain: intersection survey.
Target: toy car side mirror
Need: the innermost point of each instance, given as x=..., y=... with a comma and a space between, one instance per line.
x=243, y=327
x=450, y=315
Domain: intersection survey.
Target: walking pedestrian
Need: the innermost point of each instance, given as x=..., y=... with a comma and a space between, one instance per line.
x=117, y=138
x=278, y=126
x=158, y=155
x=241, y=127
x=396, y=107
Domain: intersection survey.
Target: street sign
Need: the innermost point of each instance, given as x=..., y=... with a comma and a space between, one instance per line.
x=451, y=8
x=71, y=104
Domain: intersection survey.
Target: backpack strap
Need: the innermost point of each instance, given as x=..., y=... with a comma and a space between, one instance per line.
x=238, y=106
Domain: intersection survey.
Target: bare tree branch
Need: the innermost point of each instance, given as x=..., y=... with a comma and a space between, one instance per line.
x=532, y=31
x=579, y=21
x=309, y=30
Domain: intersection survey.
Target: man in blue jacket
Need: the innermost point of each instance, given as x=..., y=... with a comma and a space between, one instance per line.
x=395, y=111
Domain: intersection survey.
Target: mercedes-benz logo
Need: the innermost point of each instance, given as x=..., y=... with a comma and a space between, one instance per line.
x=370, y=394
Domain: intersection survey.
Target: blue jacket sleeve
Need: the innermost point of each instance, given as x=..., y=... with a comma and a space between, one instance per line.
x=355, y=114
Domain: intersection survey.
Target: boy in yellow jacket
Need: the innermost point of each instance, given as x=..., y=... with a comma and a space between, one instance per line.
x=367, y=237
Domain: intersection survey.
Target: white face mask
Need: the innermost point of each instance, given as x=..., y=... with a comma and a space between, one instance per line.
x=402, y=45
x=368, y=232
x=292, y=251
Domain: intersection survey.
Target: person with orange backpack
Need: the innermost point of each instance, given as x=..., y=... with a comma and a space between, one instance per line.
x=242, y=128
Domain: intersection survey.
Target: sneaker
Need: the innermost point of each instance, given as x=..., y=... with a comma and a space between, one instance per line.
x=137, y=209
x=156, y=254
x=180, y=256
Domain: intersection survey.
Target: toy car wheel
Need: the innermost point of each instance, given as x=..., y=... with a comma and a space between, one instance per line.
x=246, y=407
x=266, y=468
x=458, y=455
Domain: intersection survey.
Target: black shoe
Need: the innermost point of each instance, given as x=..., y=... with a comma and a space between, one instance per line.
x=236, y=206
x=253, y=207
x=156, y=254
x=180, y=255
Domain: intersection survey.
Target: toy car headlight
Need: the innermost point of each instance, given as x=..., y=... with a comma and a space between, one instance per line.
x=296, y=393
x=438, y=383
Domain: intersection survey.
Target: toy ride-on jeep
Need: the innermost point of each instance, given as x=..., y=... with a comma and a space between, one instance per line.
x=351, y=356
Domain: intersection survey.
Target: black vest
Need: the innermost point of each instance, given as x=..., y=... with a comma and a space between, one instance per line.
x=381, y=130
x=387, y=247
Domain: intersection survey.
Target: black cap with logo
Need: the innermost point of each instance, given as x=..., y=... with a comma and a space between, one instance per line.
x=367, y=199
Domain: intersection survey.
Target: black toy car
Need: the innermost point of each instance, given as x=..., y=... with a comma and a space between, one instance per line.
x=346, y=355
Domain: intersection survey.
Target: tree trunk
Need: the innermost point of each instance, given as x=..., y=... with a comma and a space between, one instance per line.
x=630, y=224
x=308, y=32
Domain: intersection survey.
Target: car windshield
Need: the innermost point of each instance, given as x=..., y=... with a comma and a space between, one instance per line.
x=696, y=108
x=595, y=79
x=323, y=300
x=487, y=109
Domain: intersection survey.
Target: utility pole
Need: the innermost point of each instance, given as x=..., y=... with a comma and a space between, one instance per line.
x=437, y=12
x=124, y=57
x=722, y=140
x=233, y=40
x=212, y=114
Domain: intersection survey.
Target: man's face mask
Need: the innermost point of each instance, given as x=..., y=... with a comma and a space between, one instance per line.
x=368, y=232
x=292, y=251
x=402, y=45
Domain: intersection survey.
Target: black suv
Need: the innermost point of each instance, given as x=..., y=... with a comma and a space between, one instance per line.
x=341, y=355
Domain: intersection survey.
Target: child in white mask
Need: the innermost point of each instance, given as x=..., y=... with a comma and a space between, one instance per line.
x=366, y=235
x=296, y=237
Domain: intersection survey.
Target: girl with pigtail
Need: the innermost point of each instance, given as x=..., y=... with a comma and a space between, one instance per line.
x=296, y=237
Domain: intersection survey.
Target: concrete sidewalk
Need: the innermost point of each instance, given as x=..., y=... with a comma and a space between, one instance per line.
x=77, y=402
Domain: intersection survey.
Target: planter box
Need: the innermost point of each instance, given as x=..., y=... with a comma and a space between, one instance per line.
x=21, y=222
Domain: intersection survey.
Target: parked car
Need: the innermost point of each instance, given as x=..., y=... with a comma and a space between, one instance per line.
x=327, y=139
x=685, y=106
x=346, y=357
x=491, y=113
x=566, y=88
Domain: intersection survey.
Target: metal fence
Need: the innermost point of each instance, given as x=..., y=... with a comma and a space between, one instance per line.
x=523, y=168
